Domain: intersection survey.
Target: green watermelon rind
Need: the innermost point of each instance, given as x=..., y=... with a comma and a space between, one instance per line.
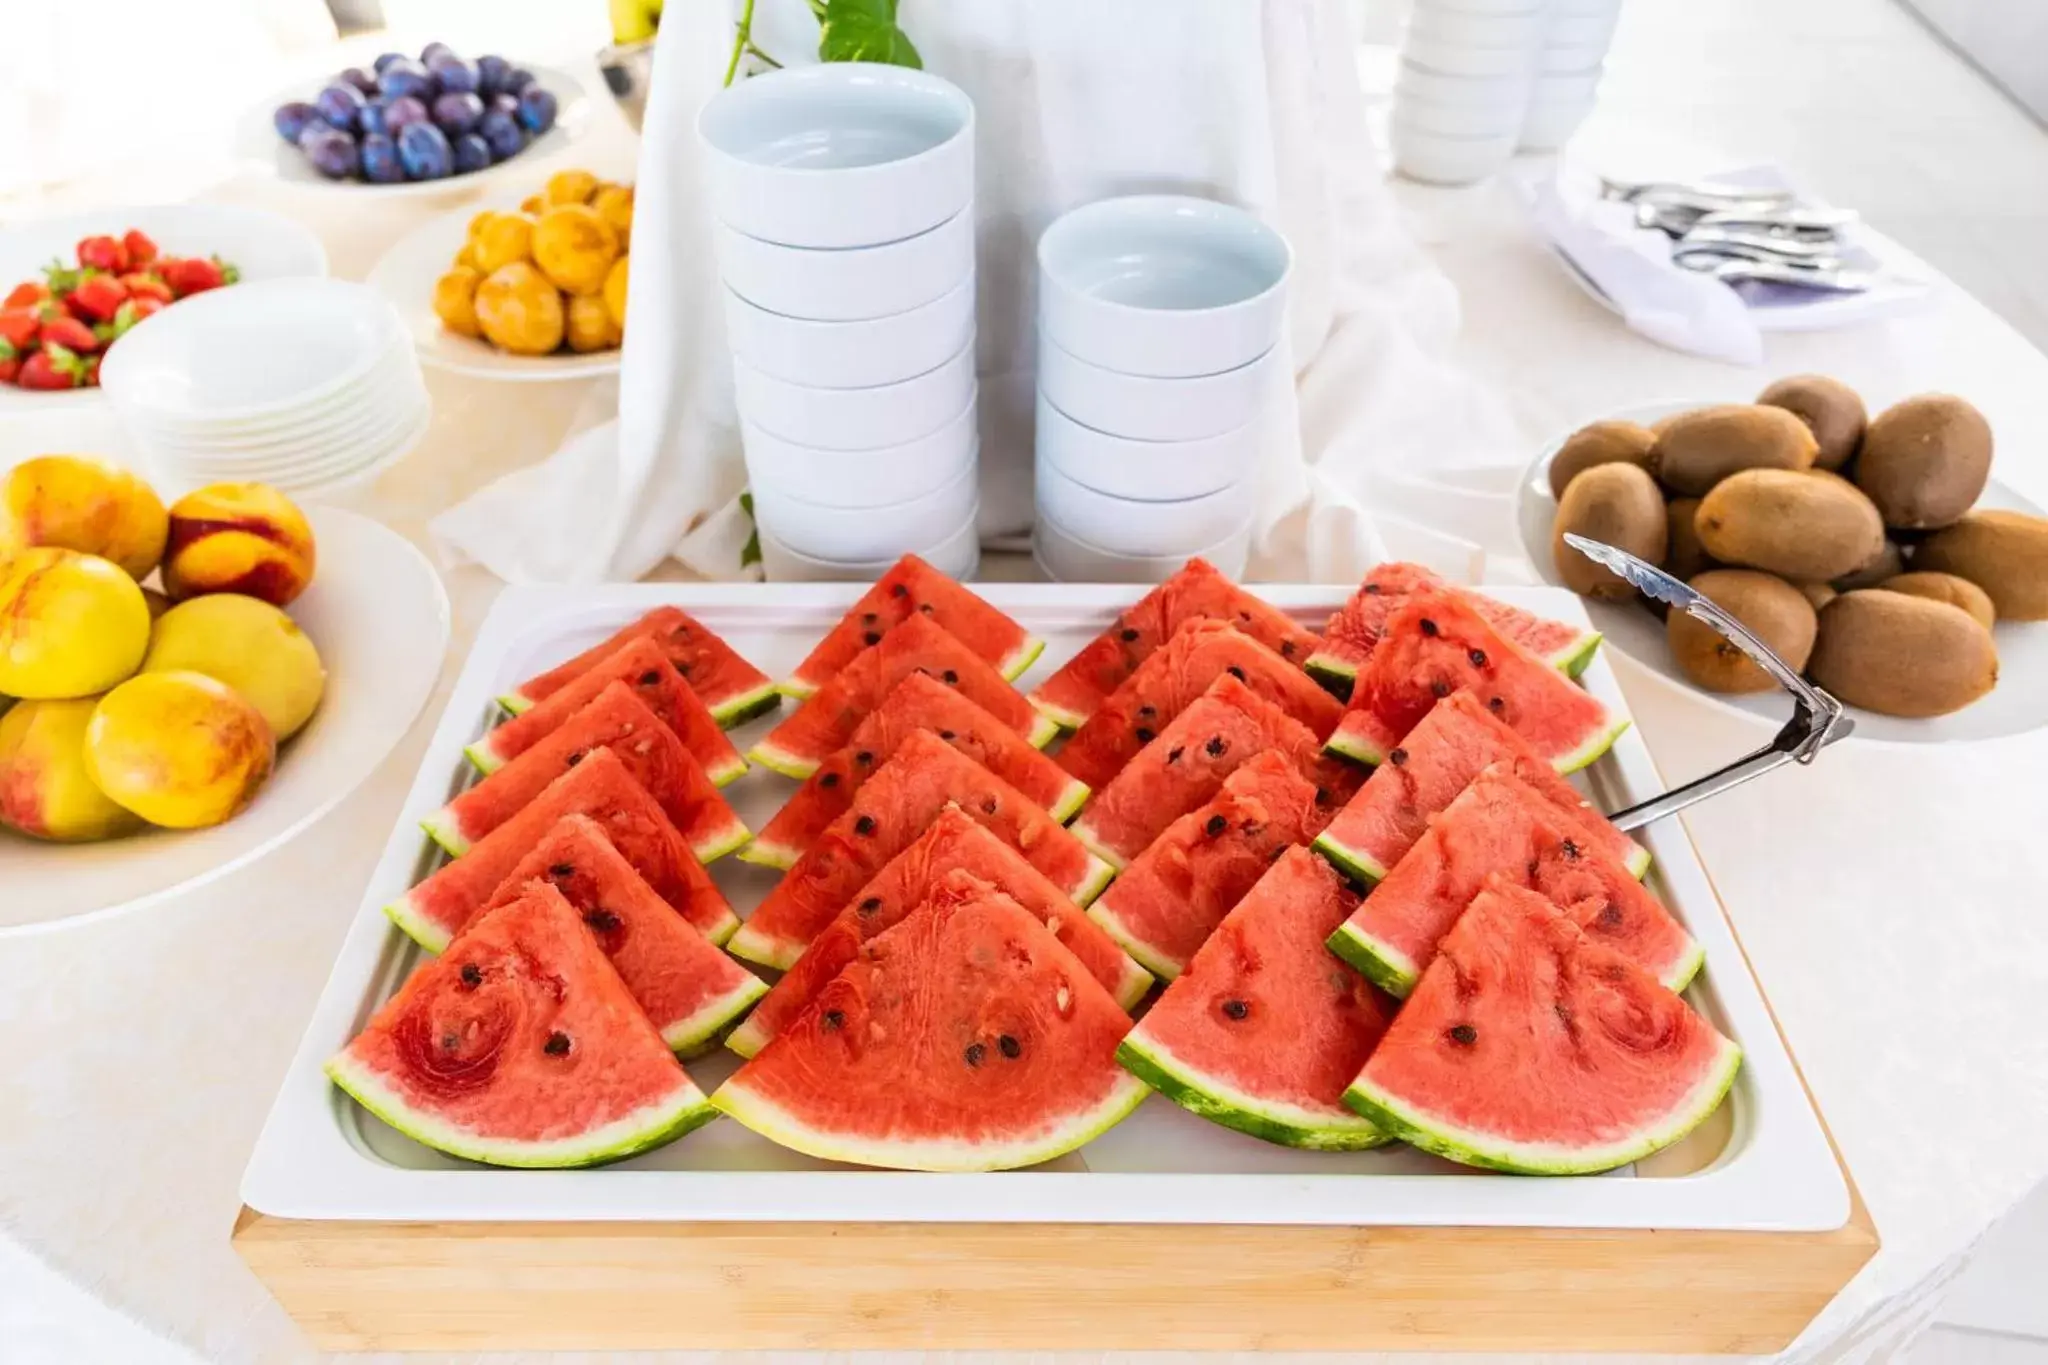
x=698, y=1033
x=783, y=1128
x=733, y=711
x=651, y=1126
x=1345, y=744
x=1219, y=1101
x=768, y=853
x=1103, y=853
x=731, y=838
x=415, y=925
x=748, y=1039
x=1059, y=715
x=1361, y=866
x=486, y=760
x=750, y=945
x=1386, y=966
x=1572, y=660
x=1146, y=955
x=1013, y=666
x=1416, y=1126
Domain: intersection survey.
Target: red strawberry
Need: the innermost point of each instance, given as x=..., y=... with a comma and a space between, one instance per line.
x=90, y=376
x=194, y=276
x=103, y=253
x=71, y=334
x=53, y=367
x=18, y=328
x=141, y=250
x=10, y=368
x=134, y=311
x=96, y=298
x=140, y=285
x=27, y=294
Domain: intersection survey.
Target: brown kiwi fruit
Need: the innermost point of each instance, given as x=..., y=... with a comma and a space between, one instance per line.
x=1618, y=505
x=1600, y=443
x=1819, y=594
x=1900, y=655
x=1946, y=587
x=2004, y=553
x=1684, y=556
x=1832, y=411
x=1698, y=449
x=1803, y=527
x=1925, y=460
x=1888, y=562
x=1777, y=611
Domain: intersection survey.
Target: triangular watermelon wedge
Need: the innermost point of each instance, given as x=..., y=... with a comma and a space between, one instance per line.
x=733, y=689
x=1196, y=591
x=964, y=1039
x=1499, y=826
x=914, y=588
x=689, y=990
x=1353, y=630
x=1436, y=644
x=890, y=811
x=1425, y=772
x=1531, y=1048
x=1265, y=1029
x=954, y=841
x=1200, y=652
x=919, y=702
x=619, y=721
x=521, y=1047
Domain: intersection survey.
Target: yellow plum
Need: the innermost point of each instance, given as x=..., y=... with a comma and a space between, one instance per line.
x=238, y=537
x=249, y=645
x=44, y=790
x=77, y=502
x=71, y=624
x=181, y=750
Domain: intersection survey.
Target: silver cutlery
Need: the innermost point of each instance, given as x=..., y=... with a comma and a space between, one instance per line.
x=1730, y=269
x=1741, y=242
x=1705, y=196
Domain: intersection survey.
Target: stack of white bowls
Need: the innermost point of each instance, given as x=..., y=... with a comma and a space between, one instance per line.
x=310, y=385
x=1575, y=44
x=842, y=197
x=1158, y=322
x=1468, y=68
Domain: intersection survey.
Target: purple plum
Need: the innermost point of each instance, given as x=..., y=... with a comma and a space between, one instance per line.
x=472, y=153
x=516, y=80
x=455, y=75
x=537, y=109
x=458, y=114
x=502, y=103
x=360, y=79
x=405, y=77
x=506, y=138
x=380, y=160
x=386, y=59
x=341, y=105
x=403, y=110
x=333, y=154
x=491, y=71
x=425, y=152
x=437, y=48
x=291, y=119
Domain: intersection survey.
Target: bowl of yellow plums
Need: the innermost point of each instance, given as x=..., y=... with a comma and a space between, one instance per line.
x=528, y=288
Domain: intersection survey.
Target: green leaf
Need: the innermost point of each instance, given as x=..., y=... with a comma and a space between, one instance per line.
x=864, y=31
x=750, y=553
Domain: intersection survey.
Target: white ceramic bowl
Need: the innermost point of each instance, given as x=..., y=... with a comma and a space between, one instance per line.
x=1562, y=87
x=863, y=478
x=1162, y=285
x=1127, y=526
x=1464, y=28
x=1152, y=471
x=854, y=534
x=1440, y=160
x=852, y=355
x=1441, y=55
x=396, y=368
x=1458, y=120
x=1581, y=30
x=1572, y=59
x=1505, y=94
x=1549, y=124
x=851, y=283
x=957, y=555
x=838, y=155
x=856, y=419
x=1149, y=409
x=1066, y=558
x=1484, y=6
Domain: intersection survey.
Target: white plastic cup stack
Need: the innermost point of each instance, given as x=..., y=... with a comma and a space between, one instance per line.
x=1158, y=322
x=1468, y=70
x=842, y=198
x=1568, y=74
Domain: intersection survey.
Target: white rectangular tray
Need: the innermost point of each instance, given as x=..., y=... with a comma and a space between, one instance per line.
x=1763, y=1163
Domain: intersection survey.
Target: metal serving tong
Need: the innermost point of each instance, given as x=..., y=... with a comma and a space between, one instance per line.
x=1818, y=720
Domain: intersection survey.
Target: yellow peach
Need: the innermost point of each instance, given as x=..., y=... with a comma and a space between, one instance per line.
x=71, y=624
x=80, y=503
x=569, y=187
x=238, y=537
x=519, y=310
x=44, y=790
x=508, y=237
x=249, y=645
x=589, y=326
x=533, y=204
x=455, y=301
x=615, y=292
x=614, y=204
x=181, y=750
x=477, y=221
x=575, y=248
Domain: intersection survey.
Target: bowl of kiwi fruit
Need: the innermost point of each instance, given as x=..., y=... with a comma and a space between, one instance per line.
x=1872, y=550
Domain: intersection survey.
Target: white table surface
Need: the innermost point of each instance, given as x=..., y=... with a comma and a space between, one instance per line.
x=1888, y=898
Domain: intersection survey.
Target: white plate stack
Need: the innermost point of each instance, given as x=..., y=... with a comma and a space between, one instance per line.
x=842, y=198
x=310, y=385
x=1575, y=47
x=1158, y=319
x=1468, y=68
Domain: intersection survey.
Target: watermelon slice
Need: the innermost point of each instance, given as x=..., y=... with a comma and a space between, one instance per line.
x=1265, y=1029
x=1165, y=905
x=919, y=702
x=890, y=811
x=1436, y=644
x=521, y=1047
x=1197, y=591
x=617, y=720
x=914, y=588
x=952, y=841
x=600, y=787
x=1200, y=652
x=689, y=989
x=1215, y=735
x=1530, y=1047
x=964, y=1039
x=1426, y=771
x=641, y=664
x=732, y=688
x=1500, y=826
x=1353, y=630
x=827, y=721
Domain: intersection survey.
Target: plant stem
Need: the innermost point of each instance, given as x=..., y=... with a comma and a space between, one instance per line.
x=743, y=39
x=757, y=52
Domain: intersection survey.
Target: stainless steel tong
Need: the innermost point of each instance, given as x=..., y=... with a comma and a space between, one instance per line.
x=1818, y=720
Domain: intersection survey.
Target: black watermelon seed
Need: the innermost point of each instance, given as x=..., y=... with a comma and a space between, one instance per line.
x=872, y=637
x=1215, y=747
x=1322, y=796
x=1464, y=1035
x=1287, y=649
x=472, y=975
x=1128, y=635
x=683, y=669
x=1279, y=852
x=898, y=590
x=1217, y=824
x=864, y=757
x=1610, y=916
x=557, y=1044
x=561, y=870
x=951, y=677
x=868, y=618
x=650, y=677
x=1243, y=615
x=829, y=780
x=988, y=805
x=1477, y=656
x=1397, y=756
x=1439, y=689
x=1372, y=590
x=1428, y=626
x=1570, y=851
x=1235, y=672
x=833, y=1021
x=1145, y=735
x=1236, y=1009
x=450, y=1041
x=946, y=735
x=870, y=905
x=574, y=759
x=975, y=1052
x=928, y=609
x=864, y=825
x=1147, y=712
x=1496, y=704
x=1174, y=755
x=1010, y=1046
x=1562, y=1011
x=603, y=921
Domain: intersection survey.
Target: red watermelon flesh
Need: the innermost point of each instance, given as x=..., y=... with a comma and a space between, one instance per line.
x=521, y=1047
x=914, y=588
x=967, y=1038
x=1426, y=771
x=1164, y=906
x=732, y=688
x=1437, y=644
x=827, y=721
x=919, y=702
x=1353, y=630
x=887, y=814
x=1264, y=1030
x=617, y=720
x=641, y=665
x=1531, y=1047
x=1200, y=652
x=688, y=988
x=1197, y=591
x=1499, y=826
x=953, y=841
x=1215, y=735
x=600, y=787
